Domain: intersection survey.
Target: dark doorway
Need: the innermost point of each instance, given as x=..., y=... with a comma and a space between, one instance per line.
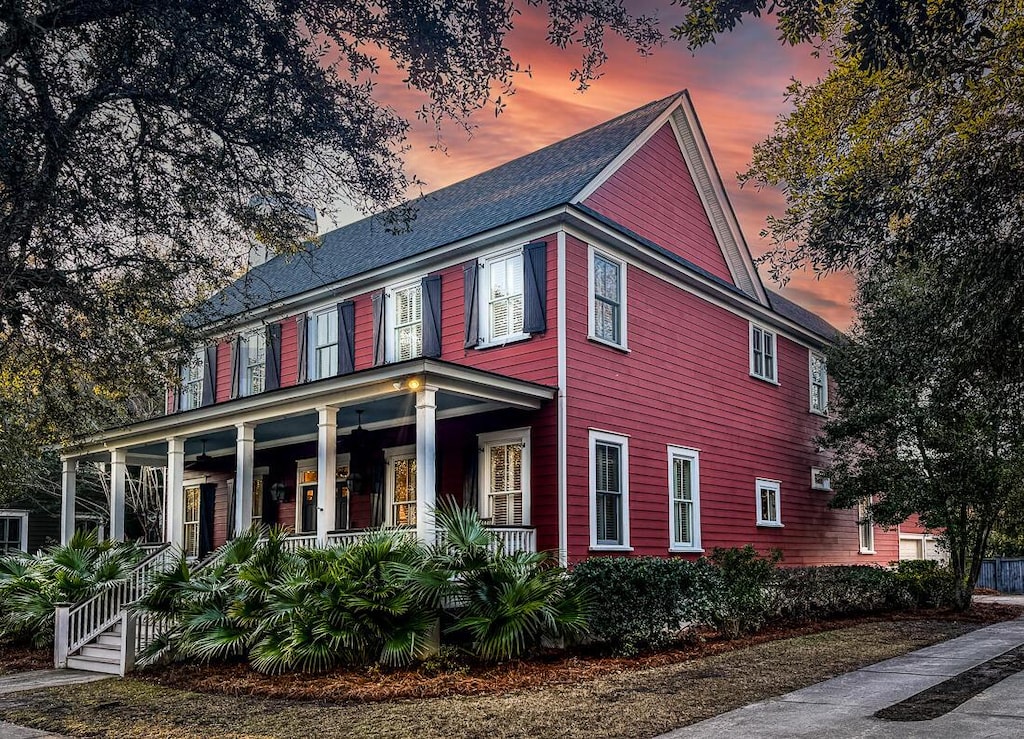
x=308, y=495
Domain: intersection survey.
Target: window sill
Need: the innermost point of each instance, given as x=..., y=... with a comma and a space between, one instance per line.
x=610, y=548
x=509, y=340
x=823, y=414
x=867, y=551
x=771, y=525
x=610, y=344
x=765, y=379
x=686, y=550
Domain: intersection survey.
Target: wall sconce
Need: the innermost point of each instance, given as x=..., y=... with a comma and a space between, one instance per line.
x=410, y=383
x=278, y=492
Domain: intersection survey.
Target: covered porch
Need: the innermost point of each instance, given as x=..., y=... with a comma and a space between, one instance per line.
x=332, y=459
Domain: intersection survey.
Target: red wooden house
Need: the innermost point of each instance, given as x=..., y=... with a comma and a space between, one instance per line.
x=576, y=343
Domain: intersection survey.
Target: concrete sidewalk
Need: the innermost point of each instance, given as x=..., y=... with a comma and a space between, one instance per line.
x=39, y=680
x=844, y=706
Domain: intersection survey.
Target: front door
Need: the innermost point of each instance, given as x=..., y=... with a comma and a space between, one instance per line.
x=308, y=496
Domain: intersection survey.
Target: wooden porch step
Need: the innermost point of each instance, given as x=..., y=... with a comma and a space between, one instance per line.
x=95, y=664
x=108, y=639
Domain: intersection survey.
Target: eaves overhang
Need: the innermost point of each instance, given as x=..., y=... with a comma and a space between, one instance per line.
x=489, y=389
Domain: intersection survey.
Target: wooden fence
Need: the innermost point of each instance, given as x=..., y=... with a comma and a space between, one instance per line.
x=1003, y=574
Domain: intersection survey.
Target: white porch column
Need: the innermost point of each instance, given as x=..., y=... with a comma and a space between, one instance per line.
x=118, y=474
x=244, y=446
x=174, y=496
x=326, y=471
x=67, y=499
x=426, y=457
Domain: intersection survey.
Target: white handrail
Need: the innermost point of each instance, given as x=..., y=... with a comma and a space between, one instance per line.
x=92, y=617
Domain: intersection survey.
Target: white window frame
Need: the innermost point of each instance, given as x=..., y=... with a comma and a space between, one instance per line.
x=195, y=523
x=487, y=337
x=313, y=363
x=391, y=455
x=192, y=385
x=775, y=487
x=865, y=528
x=622, y=343
x=606, y=437
x=20, y=514
x=811, y=356
x=692, y=456
x=485, y=442
x=773, y=377
x=246, y=385
x=819, y=480
x=390, y=319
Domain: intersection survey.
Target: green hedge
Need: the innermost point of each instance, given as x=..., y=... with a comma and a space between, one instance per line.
x=647, y=602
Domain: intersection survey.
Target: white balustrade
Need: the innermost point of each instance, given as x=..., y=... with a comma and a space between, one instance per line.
x=512, y=539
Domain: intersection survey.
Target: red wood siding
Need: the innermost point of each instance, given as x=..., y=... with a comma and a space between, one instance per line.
x=913, y=525
x=289, y=352
x=686, y=382
x=223, y=371
x=653, y=195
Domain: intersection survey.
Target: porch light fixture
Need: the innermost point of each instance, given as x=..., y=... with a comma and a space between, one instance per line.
x=278, y=492
x=412, y=383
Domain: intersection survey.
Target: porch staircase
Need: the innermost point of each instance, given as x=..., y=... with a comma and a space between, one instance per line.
x=105, y=653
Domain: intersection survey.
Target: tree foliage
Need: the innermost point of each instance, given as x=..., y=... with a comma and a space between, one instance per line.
x=921, y=427
x=136, y=139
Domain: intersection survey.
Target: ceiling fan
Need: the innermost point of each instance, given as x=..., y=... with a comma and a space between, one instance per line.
x=202, y=459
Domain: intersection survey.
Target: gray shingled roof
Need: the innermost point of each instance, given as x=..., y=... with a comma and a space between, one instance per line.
x=518, y=189
x=798, y=314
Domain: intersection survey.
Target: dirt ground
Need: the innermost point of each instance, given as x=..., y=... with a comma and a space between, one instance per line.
x=625, y=700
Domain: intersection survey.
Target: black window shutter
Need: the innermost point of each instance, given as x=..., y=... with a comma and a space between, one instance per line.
x=346, y=337
x=173, y=390
x=432, y=316
x=535, y=288
x=303, y=358
x=471, y=275
x=272, y=367
x=236, y=367
x=209, y=375
x=378, y=329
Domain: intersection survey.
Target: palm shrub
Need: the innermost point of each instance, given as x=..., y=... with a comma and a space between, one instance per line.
x=32, y=586
x=307, y=610
x=508, y=604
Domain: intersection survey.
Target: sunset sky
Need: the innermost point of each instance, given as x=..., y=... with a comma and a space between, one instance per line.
x=736, y=85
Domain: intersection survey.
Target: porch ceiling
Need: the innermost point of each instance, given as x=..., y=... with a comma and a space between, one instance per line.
x=290, y=413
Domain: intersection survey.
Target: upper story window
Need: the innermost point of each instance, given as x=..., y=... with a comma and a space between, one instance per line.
x=684, y=498
x=254, y=362
x=405, y=321
x=819, y=383
x=607, y=299
x=609, y=491
x=763, y=357
x=323, y=344
x=192, y=382
x=769, y=503
x=502, y=302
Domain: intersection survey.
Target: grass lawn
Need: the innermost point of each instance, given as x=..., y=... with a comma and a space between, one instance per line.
x=619, y=703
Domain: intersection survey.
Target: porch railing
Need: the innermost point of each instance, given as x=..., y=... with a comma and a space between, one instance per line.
x=300, y=541
x=77, y=625
x=512, y=539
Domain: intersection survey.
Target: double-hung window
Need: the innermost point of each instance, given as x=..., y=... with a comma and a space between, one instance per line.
x=819, y=383
x=323, y=344
x=609, y=491
x=769, y=503
x=763, y=360
x=192, y=382
x=254, y=359
x=684, y=499
x=502, y=303
x=866, y=527
x=607, y=299
x=193, y=498
x=505, y=477
x=401, y=485
x=405, y=337
x=13, y=531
